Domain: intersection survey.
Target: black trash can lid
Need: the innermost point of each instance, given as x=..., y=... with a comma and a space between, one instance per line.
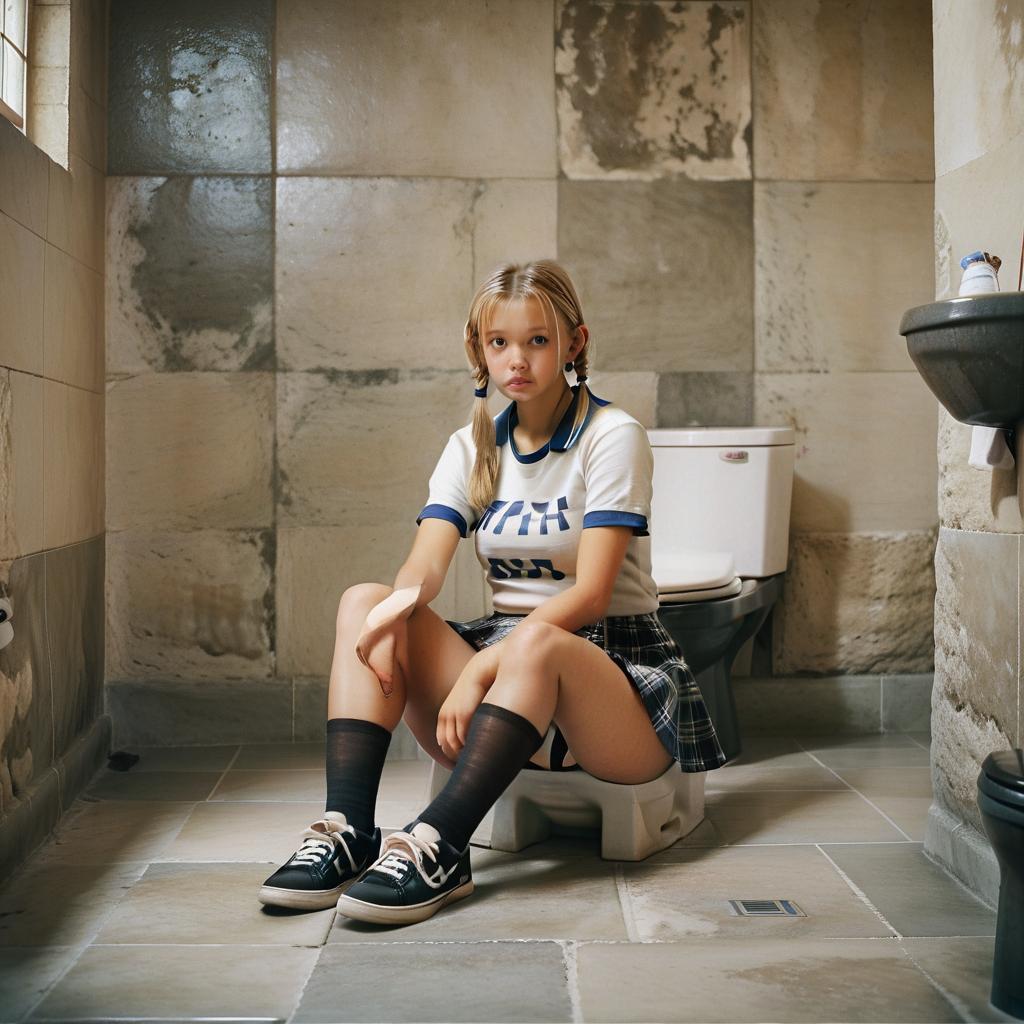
x=1005, y=768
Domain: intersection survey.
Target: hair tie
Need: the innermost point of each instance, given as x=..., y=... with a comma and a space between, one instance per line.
x=481, y=392
x=579, y=379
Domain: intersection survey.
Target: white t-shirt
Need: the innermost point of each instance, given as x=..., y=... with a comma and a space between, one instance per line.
x=527, y=540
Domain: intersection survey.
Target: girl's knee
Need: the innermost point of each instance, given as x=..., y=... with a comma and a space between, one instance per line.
x=362, y=597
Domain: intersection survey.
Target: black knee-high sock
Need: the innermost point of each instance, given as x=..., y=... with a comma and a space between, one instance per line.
x=355, y=760
x=498, y=744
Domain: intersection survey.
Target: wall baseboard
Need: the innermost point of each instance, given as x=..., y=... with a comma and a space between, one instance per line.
x=963, y=852
x=35, y=815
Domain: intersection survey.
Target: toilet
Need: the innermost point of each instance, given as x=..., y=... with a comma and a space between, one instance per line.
x=719, y=543
x=1001, y=802
x=719, y=547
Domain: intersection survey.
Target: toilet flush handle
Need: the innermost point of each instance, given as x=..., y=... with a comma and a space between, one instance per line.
x=734, y=456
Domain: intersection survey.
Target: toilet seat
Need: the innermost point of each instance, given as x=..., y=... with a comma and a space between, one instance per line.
x=1002, y=777
x=687, y=574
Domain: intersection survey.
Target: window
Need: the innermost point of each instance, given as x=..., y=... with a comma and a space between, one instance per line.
x=13, y=62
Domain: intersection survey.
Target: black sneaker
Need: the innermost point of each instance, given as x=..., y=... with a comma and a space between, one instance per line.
x=416, y=874
x=332, y=856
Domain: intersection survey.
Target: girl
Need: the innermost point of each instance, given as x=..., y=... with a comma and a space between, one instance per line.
x=557, y=492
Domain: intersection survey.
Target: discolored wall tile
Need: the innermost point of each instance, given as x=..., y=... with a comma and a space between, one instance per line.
x=864, y=448
x=679, y=293
x=189, y=87
x=972, y=499
x=415, y=88
x=26, y=694
x=654, y=89
x=792, y=707
x=856, y=603
x=22, y=440
x=349, y=297
x=73, y=464
x=837, y=265
x=336, y=430
x=977, y=93
x=192, y=605
x=705, y=399
x=977, y=624
x=74, y=629
x=190, y=451
x=839, y=92
x=190, y=274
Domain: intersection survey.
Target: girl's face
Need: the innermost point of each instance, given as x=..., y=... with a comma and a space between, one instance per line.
x=521, y=347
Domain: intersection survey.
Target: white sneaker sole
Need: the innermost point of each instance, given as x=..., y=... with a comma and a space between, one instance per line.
x=361, y=911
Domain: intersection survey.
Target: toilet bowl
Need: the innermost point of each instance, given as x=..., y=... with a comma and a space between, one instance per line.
x=719, y=547
x=1001, y=801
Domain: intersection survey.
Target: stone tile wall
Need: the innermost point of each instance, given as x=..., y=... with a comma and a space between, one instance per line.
x=304, y=194
x=979, y=563
x=52, y=414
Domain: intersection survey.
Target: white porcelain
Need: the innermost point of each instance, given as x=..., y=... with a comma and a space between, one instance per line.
x=721, y=505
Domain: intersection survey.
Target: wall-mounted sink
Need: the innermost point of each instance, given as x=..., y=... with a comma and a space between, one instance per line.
x=970, y=352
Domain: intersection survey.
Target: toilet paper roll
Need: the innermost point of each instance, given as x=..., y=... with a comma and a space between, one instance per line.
x=989, y=449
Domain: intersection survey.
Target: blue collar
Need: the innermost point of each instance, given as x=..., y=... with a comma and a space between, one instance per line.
x=562, y=439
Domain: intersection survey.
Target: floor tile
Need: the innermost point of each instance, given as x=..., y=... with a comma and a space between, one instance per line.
x=26, y=974
x=807, y=816
x=516, y=898
x=292, y=785
x=154, y=785
x=281, y=755
x=772, y=763
x=963, y=968
x=869, y=751
x=914, y=895
x=691, y=897
x=903, y=794
x=748, y=980
x=243, y=831
x=183, y=759
x=189, y=904
x=110, y=831
x=488, y=981
x=180, y=981
x=61, y=904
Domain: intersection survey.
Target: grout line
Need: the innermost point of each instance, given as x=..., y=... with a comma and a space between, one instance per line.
x=912, y=740
x=860, y=794
x=223, y=773
x=624, y=904
x=572, y=977
x=958, y=1004
x=859, y=893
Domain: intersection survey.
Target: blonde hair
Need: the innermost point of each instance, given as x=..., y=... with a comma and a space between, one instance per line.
x=549, y=283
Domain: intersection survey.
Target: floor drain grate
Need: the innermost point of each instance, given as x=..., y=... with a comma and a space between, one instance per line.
x=766, y=908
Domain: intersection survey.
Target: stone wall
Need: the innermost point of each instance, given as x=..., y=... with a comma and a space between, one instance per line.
x=976, y=702
x=303, y=196
x=52, y=733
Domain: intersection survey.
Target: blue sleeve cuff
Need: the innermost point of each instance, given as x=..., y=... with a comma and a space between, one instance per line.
x=633, y=519
x=443, y=512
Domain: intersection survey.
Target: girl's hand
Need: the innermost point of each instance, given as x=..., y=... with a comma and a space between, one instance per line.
x=384, y=638
x=463, y=700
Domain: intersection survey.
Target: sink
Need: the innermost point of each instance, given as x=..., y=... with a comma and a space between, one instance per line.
x=970, y=352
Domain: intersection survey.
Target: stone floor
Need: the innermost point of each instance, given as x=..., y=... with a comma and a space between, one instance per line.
x=143, y=907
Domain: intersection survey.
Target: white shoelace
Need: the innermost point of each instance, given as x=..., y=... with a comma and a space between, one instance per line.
x=319, y=841
x=409, y=848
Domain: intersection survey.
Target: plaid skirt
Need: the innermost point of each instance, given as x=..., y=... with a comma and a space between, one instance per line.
x=645, y=651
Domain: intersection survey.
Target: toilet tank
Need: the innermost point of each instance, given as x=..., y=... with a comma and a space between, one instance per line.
x=724, y=489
